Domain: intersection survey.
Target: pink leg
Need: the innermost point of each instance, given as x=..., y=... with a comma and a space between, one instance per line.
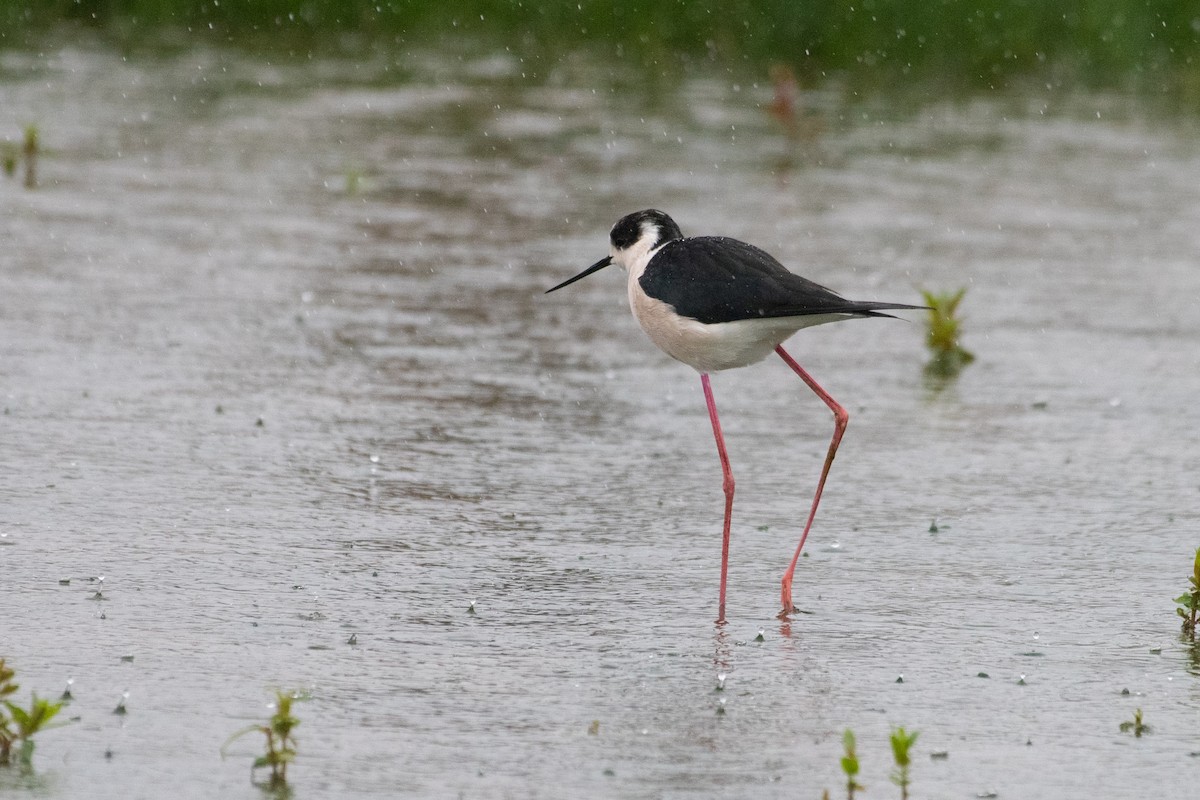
x=727, y=484
x=840, y=418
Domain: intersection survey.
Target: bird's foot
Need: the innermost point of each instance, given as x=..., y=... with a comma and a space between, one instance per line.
x=785, y=596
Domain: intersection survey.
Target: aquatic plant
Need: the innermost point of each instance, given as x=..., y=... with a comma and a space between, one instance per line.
x=19, y=725
x=943, y=329
x=8, y=158
x=31, y=150
x=280, y=744
x=1189, y=601
x=850, y=765
x=902, y=742
x=1135, y=726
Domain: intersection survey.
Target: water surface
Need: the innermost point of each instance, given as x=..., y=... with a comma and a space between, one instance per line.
x=276, y=365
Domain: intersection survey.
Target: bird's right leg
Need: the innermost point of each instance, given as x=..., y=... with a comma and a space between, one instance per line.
x=840, y=418
x=727, y=485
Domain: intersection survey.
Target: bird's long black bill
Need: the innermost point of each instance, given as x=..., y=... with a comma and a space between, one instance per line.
x=599, y=265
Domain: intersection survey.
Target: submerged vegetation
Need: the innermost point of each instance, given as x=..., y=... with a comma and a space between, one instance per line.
x=30, y=150
x=1189, y=601
x=1135, y=726
x=943, y=328
x=27, y=153
x=850, y=764
x=902, y=741
x=280, y=744
x=985, y=43
x=19, y=725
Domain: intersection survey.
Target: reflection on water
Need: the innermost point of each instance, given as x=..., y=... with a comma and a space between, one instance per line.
x=434, y=431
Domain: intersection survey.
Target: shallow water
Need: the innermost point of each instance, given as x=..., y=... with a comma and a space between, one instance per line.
x=276, y=365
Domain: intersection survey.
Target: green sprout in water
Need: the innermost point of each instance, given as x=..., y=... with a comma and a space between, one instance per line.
x=281, y=745
x=18, y=725
x=902, y=741
x=1189, y=601
x=31, y=149
x=850, y=765
x=942, y=333
x=1135, y=726
x=8, y=158
x=354, y=180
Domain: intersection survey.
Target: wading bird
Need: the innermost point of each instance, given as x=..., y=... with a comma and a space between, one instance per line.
x=716, y=303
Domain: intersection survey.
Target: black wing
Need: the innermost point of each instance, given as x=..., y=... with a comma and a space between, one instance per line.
x=713, y=279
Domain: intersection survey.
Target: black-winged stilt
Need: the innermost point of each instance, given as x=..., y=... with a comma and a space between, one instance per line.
x=716, y=303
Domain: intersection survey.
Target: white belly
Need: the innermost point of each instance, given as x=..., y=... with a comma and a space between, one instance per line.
x=717, y=346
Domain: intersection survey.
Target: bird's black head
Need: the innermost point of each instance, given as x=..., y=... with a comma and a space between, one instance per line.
x=633, y=238
x=634, y=226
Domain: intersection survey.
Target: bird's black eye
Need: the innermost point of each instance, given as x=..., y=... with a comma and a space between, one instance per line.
x=625, y=233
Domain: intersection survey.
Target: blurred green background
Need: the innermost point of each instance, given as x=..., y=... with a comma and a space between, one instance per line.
x=1150, y=45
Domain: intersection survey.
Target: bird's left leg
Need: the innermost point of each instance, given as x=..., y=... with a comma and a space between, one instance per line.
x=840, y=418
x=727, y=484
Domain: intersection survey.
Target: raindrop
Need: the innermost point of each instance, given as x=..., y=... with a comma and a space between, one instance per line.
x=720, y=681
x=120, y=709
x=760, y=637
x=721, y=706
x=66, y=695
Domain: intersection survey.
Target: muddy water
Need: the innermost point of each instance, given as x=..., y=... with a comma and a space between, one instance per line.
x=277, y=372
